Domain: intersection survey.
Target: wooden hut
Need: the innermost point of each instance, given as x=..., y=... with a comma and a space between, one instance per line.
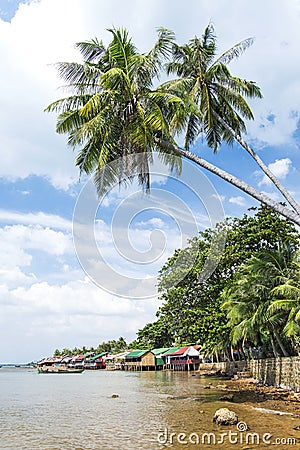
x=140, y=360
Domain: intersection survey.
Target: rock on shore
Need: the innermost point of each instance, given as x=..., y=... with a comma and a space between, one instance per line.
x=224, y=416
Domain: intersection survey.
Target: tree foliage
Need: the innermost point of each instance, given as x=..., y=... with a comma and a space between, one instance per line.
x=192, y=311
x=111, y=346
x=263, y=301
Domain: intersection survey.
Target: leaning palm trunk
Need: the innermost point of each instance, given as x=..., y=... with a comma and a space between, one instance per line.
x=263, y=167
x=280, y=343
x=242, y=185
x=275, y=352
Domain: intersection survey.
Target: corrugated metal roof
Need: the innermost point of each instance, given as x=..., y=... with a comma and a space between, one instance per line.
x=180, y=351
x=119, y=355
x=78, y=358
x=159, y=351
x=171, y=350
x=136, y=353
x=98, y=356
x=159, y=361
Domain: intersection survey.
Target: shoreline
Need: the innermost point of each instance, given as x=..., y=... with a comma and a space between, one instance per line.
x=274, y=399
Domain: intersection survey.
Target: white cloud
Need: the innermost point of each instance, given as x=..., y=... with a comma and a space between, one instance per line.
x=153, y=222
x=219, y=197
x=19, y=245
x=280, y=168
x=55, y=312
x=39, y=218
x=239, y=200
x=14, y=276
x=48, y=316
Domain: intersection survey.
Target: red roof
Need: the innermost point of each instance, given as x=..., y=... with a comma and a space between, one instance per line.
x=182, y=350
x=78, y=358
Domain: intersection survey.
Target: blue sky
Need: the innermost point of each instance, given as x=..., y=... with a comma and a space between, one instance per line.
x=47, y=299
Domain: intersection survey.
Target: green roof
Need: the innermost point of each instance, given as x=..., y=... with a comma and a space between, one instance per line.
x=98, y=356
x=136, y=353
x=159, y=351
x=171, y=350
x=159, y=361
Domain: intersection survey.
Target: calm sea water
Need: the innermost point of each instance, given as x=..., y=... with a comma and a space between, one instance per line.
x=77, y=411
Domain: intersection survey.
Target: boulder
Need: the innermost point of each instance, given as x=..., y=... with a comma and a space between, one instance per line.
x=224, y=416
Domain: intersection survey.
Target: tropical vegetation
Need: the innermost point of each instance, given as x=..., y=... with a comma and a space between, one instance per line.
x=111, y=346
x=251, y=301
x=118, y=109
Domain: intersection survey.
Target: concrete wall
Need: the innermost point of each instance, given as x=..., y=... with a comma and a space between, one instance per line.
x=283, y=372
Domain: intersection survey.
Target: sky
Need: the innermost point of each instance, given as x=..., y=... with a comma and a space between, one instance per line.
x=63, y=285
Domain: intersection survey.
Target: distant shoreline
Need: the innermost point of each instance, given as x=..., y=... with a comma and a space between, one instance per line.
x=16, y=365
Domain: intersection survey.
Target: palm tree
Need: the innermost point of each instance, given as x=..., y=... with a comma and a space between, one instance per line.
x=265, y=296
x=245, y=304
x=287, y=291
x=219, y=96
x=115, y=111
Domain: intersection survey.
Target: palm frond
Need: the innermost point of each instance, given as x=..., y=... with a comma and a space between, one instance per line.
x=69, y=103
x=91, y=51
x=68, y=122
x=235, y=52
x=121, y=48
x=115, y=79
x=163, y=47
x=79, y=75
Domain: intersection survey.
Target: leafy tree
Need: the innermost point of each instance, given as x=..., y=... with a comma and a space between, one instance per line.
x=284, y=267
x=264, y=297
x=65, y=351
x=289, y=303
x=112, y=346
x=115, y=111
x=153, y=335
x=192, y=309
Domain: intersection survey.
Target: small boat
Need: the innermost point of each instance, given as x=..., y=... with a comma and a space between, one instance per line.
x=59, y=369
